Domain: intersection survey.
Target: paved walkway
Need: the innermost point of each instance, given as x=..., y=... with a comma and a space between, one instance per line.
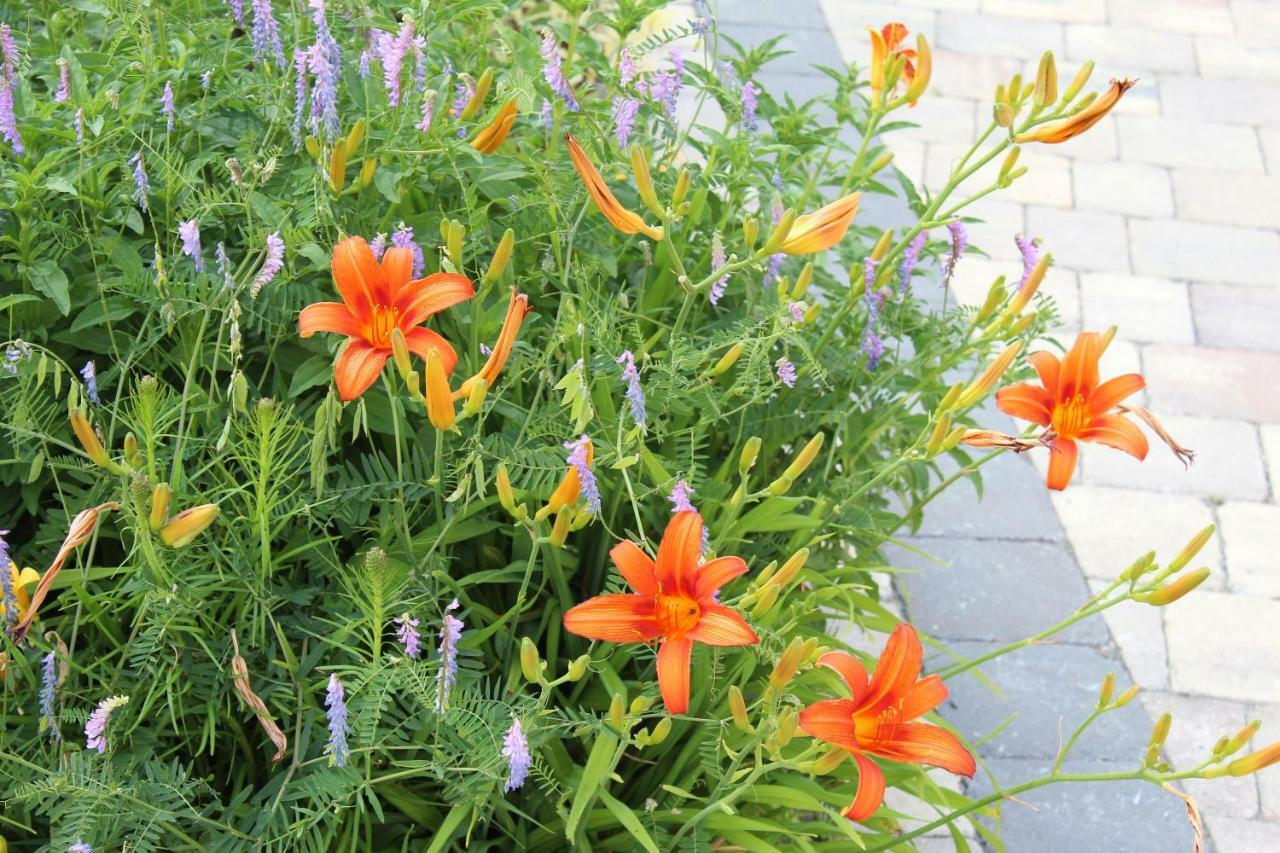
x=1163, y=220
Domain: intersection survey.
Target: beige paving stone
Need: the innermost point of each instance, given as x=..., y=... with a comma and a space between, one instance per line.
x=1233, y=835
x=1204, y=252
x=1271, y=449
x=1230, y=198
x=1228, y=462
x=947, y=5
x=1223, y=644
x=1110, y=528
x=1270, y=139
x=1195, y=144
x=969, y=74
x=1236, y=316
x=1145, y=309
x=1052, y=10
x=1086, y=240
x=1212, y=382
x=1257, y=17
x=1184, y=16
x=848, y=20
x=1228, y=101
x=1138, y=631
x=941, y=120
x=1238, y=57
x=1123, y=187
x=992, y=35
x=1198, y=723
x=908, y=157
x=1248, y=539
x=1156, y=49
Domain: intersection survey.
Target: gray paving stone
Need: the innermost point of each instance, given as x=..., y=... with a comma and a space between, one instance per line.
x=1122, y=187
x=1212, y=382
x=1181, y=16
x=1203, y=252
x=1228, y=101
x=1238, y=57
x=1084, y=240
x=1196, y=144
x=1145, y=309
x=1236, y=317
x=799, y=14
x=1138, y=632
x=991, y=35
x=1232, y=835
x=993, y=590
x=1229, y=198
x=1157, y=50
x=1053, y=10
x=1223, y=645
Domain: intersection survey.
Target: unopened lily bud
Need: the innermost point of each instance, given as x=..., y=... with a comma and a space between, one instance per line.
x=780, y=233
x=644, y=180
x=948, y=400
x=313, y=147
x=617, y=711
x=787, y=726
x=356, y=135
x=1021, y=325
x=1255, y=761
x=1175, y=589
x=477, y=96
x=1159, y=733
x=1139, y=567
x=738, y=708
x=995, y=298
x=833, y=758
x=477, y=389
x=89, y=441
x=787, y=665
x=440, y=409
x=367, y=169
x=1046, y=91
x=240, y=392
x=941, y=429
x=560, y=529
x=530, y=662
x=160, y=497
x=400, y=353
x=131, y=453
x=811, y=313
x=1078, y=82
x=184, y=527
x=802, y=282
x=682, y=187
x=578, y=668
x=953, y=438
x=1108, y=690
x=454, y=245
x=750, y=452
x=1083, y=104
x=1003, y=115
x=728, y=360
x=790, y=569
x=805, y=457
x=506, y=495
x=501, y=255
x=768, y=598
x=880, y=162
x=660, y=731
x=1010, y=160
x=987, y=380
x=338, y=166
x=1126, y=697
x=882, y=245
x=1240, y=738
x=640, y=704
x=750, y=232
x=923, y=70
x=1107, y=337
x=1028, y=289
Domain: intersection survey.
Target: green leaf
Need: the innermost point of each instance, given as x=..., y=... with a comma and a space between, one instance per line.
x=16, y=299
x=48, y=278
x=96, y=313
x=312, y=372
x=628, y=819
x=599, y=764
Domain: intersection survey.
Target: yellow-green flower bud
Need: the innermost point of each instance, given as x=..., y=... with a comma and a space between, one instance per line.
x=530, y=663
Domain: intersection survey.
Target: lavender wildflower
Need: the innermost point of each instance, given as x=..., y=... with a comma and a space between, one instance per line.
x=16, y=352
x=141, y=183
x=1030, y=255
x=515, y=748
x=428, y=111
x=718, y=260
x=237, y=11
x=206, y=79
x=587, y=483
x=336, y=703
x=90, y=375
x=326, y=65
x=272, y=265
x=679, y=497
x=910, y=258
x=8, y=50
x=78, y=122
x=450, y=633
x=461, y=95
x=223, y=262
x=402, y=238
x=189, y=231
x=391, y=53
x=419, y=63
x=677, y=61
x=362, y=64
x=750, y=103
x=8, y=119
x=407, y=635
x=959, y=242
x=80, y=847
x=166, y=107
x=665, y=88
x=265, y=33
x=776, y=259
x=552, y=72
x=548, y=115
x=95, y=730
x=635, y=393
x=628, y=70
x=379, y=245
x=625, y=111
x=48, y=688
x=64, y=82
x=786, y=371
x=300, y=61
x=7, y=579
x=872, y=345
x=796, y=310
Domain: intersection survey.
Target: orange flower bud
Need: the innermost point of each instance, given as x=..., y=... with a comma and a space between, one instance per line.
x=1071, y=127
x=987, y=380
x=1255, y=761
x=495, y=133
x=1023, y=297
x=440, y=409
x=626, y=221
x=787, y=665
x=517, y=309
x=184, y=527
x=160, y=496
x=477, y=96
x=1174, y=590
x=738, y=708
x=89, y=441
x=822, y=229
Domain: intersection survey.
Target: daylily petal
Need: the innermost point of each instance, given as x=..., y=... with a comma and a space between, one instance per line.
x=357, y=368
x=356, y=274
x=922, y=697
x=397, y=268
x=635, y=566
x=1109, y=393
x=921, y=743
x=1048, y=367
x=1119, y=432
x=623, y=618
x=870, y=790
x=328, y=317
x=897, y=669
x=850, y=669
x=721, y=626
x=822, y=229
x=422, y=341
x=1028, y=402
x=678, y=553
x=1079, y=373
x=714, y=574
x=674, y=662
x=419, y=299
x=1062, y=463
x=626, y=221
x=831, y=720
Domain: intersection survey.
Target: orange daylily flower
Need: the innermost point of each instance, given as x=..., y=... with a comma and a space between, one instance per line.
x=1072, y=126
x=822, y=229
x=886, y=44
x=495, y=133
x=517, y=309
x=674, y=602
x=626, y=221
x=878, y=719
x=377, y=298
x=1074, y=406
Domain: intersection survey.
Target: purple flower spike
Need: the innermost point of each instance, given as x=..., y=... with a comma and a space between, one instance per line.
x=590, y=488
x=64, y=82
x=403, y=239
x=552, y=72
x=786, y=371
x=90, y=375
x=407, y=635
x=189, y=231
x=515, y=748
x=625, y=111
x=718, y=260
x=909, y=260
x=750, y=103
x=634, y=393
x=680, y=497
x=1030, y=255
x=447, y=676
x=335, y=701
x=959, y=242
x=95, y=730
x=167, y=108
x=141, y=183
x=265, y=34
x=272, y=265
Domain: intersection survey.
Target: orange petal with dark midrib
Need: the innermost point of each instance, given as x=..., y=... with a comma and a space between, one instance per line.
x=897, y=669
x=635, y=566
x=922, y=743
x=358, y=367
x=850, y=669
x=623, y=618
x=418, y=300
x=356, y=275
x=328, y=317
x=1079, y=371
x=1062, y=463
x=831, y=720
x=1105, y=397
x=1028, y=402
x=721, y=626
x=678, y=554
x=423, y=341
x=1048, y=368
x=397, y=269
x=870, y=792
x=922, y=697
x=1119, y=432
x=714, y=574
x=674, y=663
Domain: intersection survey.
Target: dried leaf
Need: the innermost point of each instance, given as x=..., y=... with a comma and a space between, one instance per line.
x=240, y=671
x=1193, y=815
x=82, y=527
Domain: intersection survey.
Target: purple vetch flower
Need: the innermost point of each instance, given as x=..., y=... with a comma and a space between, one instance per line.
x=462, y=94
x=628, y=70
x=428, y=111
x=718, y=260
x=272, y=265
x=64, y=82
x=206, y=79
x=80, y=847
x=552, y=72
x=90, y=376
x=910, y=258
x=786, y=371
x=362, y=64
x=796, y=310
x=419, y=63
x=447, y=676
x=680, y=496
x=515, y=748
x=141, y=183
x=224, y=263
x=407, y=635
x=485, y=349
x=872, y=345
x=300, y=62
x=189, y=232
x=1030, y=255
x=326, y=64
x=237, y=11
x=625, y=111
x=78, y=122
x=8, y=593
x=776, y=259
x=677, y=61
x=166, y=106
x=265, y=34
x=635, y=392
x=750, y=103
x=9, y=119
x=664, y=87
x=402, y=238
x=95, y=730
x=548, y=115
x=48, y=691
x=8, y=51
x=587, y=483
x=16, y=352
x=391, y=54
x=959, y=242
x=335, y=701
x=379, y=245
